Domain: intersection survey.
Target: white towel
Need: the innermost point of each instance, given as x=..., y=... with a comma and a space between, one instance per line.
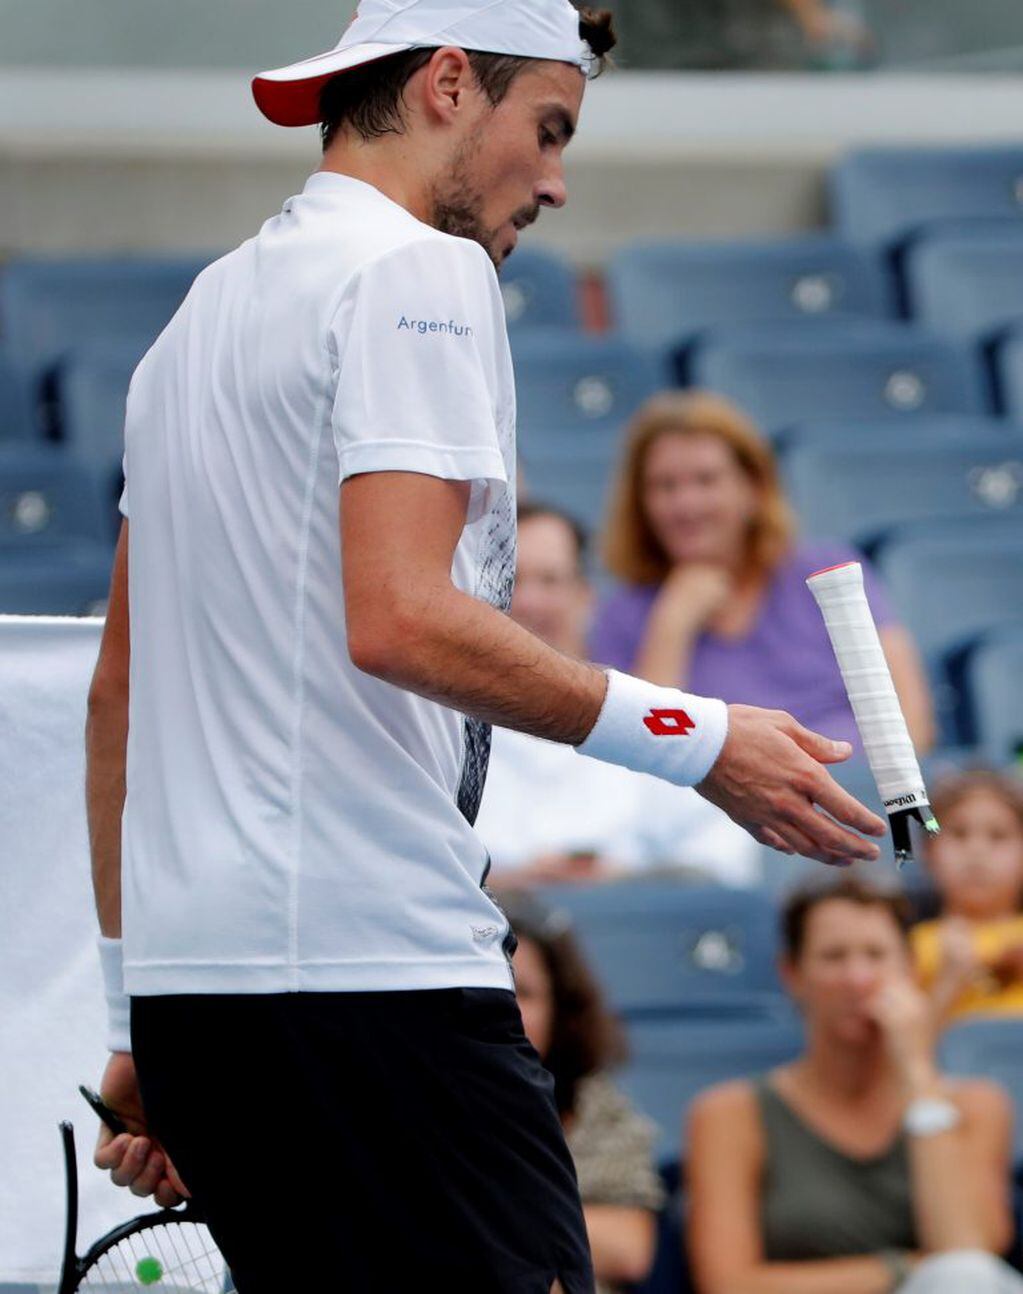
x=51, y=1000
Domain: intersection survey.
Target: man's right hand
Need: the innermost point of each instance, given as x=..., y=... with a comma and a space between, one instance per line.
x=134, y=1158
x=770, y=778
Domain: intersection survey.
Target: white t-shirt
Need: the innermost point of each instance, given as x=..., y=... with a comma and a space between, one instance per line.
x=542, y=798
x=292, y=823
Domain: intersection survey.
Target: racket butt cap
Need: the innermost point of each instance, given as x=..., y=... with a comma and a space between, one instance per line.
x=899, y=821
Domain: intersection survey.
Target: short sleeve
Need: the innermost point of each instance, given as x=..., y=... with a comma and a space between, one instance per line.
x=421, y=345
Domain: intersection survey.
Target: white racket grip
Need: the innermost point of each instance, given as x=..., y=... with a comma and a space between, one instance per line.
x=840, y=594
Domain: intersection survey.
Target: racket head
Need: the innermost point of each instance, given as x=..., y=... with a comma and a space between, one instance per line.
x=169, y=1251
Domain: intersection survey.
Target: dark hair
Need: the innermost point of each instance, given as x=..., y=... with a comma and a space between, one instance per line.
x=369, y=99
x=585, y=1036
x=852, y=888
x=530, y=509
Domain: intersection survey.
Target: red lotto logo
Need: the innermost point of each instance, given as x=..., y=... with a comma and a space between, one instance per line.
x=668, y=723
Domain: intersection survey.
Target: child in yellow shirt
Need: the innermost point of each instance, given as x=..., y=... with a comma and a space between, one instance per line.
x=970, y=960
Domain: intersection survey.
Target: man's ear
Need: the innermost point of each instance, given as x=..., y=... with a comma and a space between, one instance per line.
x=445, y=81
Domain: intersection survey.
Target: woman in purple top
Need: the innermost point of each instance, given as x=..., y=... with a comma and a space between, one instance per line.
x=712, y=596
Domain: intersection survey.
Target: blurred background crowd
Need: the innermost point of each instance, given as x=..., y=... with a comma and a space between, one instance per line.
x=780, y=326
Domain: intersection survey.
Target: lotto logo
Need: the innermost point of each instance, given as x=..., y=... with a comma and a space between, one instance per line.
x=668, y=723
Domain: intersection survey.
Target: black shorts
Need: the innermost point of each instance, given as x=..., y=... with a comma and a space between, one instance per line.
x=379, y=1143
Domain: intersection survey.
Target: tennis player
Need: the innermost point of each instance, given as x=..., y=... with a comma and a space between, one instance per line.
x=323, y=1032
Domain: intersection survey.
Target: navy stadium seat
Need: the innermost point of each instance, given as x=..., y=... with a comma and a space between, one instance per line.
x=565, y=380
x=91, y=389
x=1009, y=370
x=47, y=307
x=15, y=407
x=539, y=290
x=46, y=496
x=862, y=490
x=666, y=293
x=921, y=433
x=572, y=470
x=669, y=947
x=672, y=1060
x=63, y=578
x=991, y=1048
x=884, y=196
x=951, y=587
x=994, y=683
x=966, y=285
x=782, y=376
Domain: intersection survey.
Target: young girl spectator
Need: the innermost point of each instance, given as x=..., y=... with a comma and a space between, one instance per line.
x=565, y=1019
x=970, y=960
x=858, y=1168
x=712, y=595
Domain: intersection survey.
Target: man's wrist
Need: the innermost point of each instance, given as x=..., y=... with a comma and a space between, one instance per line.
x=659, y=730
x=118, y=1007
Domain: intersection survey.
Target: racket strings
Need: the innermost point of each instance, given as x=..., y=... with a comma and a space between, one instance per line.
x=173, y=1258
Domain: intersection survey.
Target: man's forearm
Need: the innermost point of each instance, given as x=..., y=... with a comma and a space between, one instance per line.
x=457, y=650
x=106, y=736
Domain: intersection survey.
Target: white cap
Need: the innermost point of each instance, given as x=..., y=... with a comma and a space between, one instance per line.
x=290, y=96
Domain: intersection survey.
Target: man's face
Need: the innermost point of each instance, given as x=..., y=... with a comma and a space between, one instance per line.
x=509, y=163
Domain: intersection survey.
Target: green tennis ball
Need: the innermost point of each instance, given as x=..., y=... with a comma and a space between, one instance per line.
x=148, y=1270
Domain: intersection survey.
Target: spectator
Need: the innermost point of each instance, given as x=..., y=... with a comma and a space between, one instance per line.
x=970, y=960
x=858, y=1168
x=549, y=814
x=713, y=597
x=565, y=1019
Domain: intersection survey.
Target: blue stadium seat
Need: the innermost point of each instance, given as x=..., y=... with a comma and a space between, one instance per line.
x=539, y=290
x=672, y=1060
x=921, y=433
x=1009, y=370
x=62, y=578
x=861, y=490
x=666, y=293
x=883, y=196
x=91, y=389
x=966, y=285
x=782, y=377
x=669, y=947
x=46, y=496
x=47, y=307
x=994, y=683
x=988, y=1049
x=572, y=469
x=15, y=405
x=565, y=380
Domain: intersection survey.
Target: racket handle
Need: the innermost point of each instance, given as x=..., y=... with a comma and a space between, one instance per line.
x=840, y=594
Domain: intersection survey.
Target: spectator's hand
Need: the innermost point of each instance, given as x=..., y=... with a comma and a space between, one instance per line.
x=901, y=1011
x=694, y=593
x=769, y=778
x=961, y=964
x=134, y=1158
x=825, y=28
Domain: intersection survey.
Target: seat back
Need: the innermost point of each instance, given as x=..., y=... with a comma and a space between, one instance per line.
x=539, y=290
x=45, y=495
x=966, y=285
x=783, y=377
x=882, y=196
x=994, y=681
x=665, y=293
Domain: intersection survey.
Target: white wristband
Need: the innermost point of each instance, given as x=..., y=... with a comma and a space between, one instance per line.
x=118, y=1030
x=658, y=730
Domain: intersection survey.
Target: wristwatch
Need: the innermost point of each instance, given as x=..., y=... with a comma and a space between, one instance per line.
x=928, y=1115
x=898, y=1263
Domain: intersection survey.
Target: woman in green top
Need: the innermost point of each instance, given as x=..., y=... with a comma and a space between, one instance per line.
x=858, y=1168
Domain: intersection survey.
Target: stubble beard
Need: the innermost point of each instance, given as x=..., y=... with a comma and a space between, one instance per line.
x=457, y=204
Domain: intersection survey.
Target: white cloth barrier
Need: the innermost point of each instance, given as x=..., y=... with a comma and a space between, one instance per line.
x=52, y=1014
